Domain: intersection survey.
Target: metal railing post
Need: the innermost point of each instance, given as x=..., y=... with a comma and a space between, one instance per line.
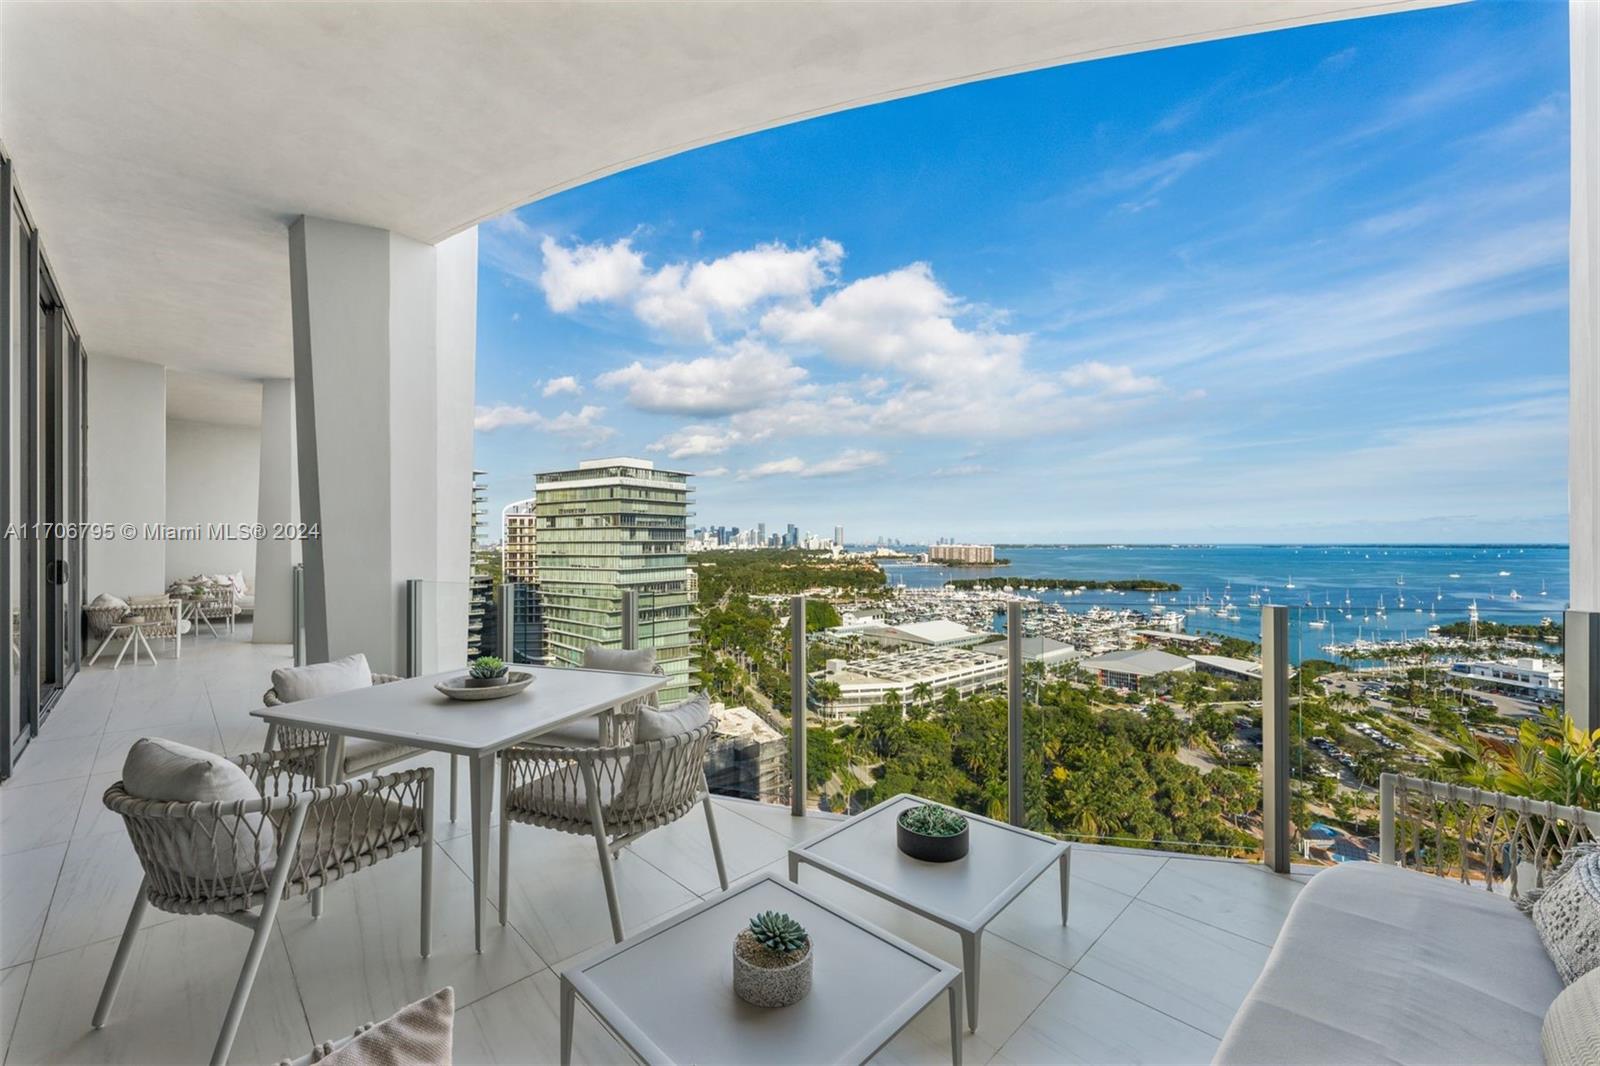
x=630, y=619
x=505, y=600
x=1386, y=853
x=1275, y=738
x=298, y=612
x=797, y=706
x=1581, y=633
x=413, y=626
x=1014, y=812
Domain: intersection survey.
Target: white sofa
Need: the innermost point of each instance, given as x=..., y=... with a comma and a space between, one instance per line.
x=1381, y=964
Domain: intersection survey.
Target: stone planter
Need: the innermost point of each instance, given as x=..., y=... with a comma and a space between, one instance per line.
x=768, y=985
x=487, y=682
x=932, y=848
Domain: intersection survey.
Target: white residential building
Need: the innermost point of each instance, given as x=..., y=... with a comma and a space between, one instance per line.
x=864, y=682
x=1537, y=679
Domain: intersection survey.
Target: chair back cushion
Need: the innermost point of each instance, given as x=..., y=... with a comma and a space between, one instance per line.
x=627, y=661
x=683, y=717
x=1567, y=916
x=1571, y=1035
x=105, y=599
x=295, y=683
x=206, y=848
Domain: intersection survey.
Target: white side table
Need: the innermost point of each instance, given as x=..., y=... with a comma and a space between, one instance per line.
x=667, y=993
x=964, y=895
x=133, y=632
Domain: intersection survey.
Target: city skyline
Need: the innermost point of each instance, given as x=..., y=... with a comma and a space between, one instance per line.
x=1301, y=286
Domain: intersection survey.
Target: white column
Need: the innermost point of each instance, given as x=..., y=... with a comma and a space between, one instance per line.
x=1583, y=464
x=127, y=476
x=384, y=351
x=278, y=502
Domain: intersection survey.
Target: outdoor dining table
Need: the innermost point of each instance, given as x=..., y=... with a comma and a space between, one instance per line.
x=413, y=713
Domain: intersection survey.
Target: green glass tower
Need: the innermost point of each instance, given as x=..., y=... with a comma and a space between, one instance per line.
x=611, y=525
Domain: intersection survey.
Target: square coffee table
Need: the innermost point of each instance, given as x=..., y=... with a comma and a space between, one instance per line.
x=667, y=992
x=964, y=895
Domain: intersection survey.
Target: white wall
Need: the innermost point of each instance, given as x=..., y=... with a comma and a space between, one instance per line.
x=127, y=474
x=212, y=476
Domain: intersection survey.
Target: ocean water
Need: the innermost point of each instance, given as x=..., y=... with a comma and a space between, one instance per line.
x=1509, y=583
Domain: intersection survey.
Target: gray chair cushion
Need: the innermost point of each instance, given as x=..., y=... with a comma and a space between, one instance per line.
x=584, y=733
x=158, y=769
x=295, y=683
x=1571, y=1035
x=562, y=795
x=361, y=755
x=683, y=717
x=1382, y=964
x=637, y=661
x=1567, y=916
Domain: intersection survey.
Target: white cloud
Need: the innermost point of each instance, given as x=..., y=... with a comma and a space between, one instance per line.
x=846, y=462
x=1108, y=380
x=583, y=424
x=715, y=471
x=962, y=470
x=684, y=300
x=749, y=377
x=698, y=440
x=565, y=384
x=588, y=273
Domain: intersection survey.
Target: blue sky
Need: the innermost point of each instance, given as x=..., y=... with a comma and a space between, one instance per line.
x=1305, y=285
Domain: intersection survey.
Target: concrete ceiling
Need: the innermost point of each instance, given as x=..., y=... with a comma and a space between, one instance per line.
x=164, y=147
x=229, y=401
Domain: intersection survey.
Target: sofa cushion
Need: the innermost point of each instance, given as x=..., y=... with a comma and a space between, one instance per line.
x=1571, y=1035
x=682, y=717
x=1383, y=964
x=635, y=661
x=205, y=849
x=295, y=683
x=105, y=599
x=1567, y=916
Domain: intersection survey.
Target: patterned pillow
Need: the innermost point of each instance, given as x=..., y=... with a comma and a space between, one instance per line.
x=418, y=1035
x=1567, y=915
x=1571, y=1034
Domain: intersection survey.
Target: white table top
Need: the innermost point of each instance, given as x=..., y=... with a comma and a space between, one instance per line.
x=668, y=992
x=413, y=712
x=1001, y=861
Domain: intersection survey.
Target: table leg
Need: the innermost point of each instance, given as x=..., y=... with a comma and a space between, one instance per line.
x=329, y=771
x=148, y=650
x=955, y=1024
x=126, y=644
x=103, y=645
x=480, y=783
x=1066, y=881
x=971, y=960
x=568, y=1010
x=794, y=869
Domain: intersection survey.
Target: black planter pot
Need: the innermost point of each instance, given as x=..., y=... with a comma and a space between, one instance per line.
x=932, y=849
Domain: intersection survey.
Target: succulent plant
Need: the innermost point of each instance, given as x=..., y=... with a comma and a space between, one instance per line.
x=932, y=820
x=486, y=667
x=778, y=932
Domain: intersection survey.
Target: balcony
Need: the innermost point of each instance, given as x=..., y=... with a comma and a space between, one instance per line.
x=1158, y=955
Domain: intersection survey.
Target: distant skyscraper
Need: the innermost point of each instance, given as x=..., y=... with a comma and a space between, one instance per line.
x=838, y=536
x=761, y=534
x=517, y=538
x=610, y=525
x=791, y=538
x=481, y=592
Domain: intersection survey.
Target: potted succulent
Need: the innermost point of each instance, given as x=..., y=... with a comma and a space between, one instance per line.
x=772, y=961
x=932, y=833
x=486, y=671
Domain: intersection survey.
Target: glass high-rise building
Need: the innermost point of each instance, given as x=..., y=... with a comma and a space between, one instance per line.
x=610, y=525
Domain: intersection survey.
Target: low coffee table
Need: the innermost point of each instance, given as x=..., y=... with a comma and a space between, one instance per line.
x=964, y=895
x=667, y=992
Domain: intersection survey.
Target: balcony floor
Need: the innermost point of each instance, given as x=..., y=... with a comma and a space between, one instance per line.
x=1158, y=955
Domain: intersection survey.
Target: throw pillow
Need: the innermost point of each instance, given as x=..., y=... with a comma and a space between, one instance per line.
x=417, y=1035
x=1567, y=916
x=295, y=683
x=105, y=599
x=157, y=769
x=1571, y=1034
x=683, y=717
x=636, y=661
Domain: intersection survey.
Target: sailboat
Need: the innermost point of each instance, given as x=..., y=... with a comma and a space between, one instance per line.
x=1319, y=622
x=1290, y=583
x=1542, y=591
x=1382, y=613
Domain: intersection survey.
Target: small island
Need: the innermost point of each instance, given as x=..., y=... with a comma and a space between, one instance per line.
x=1138, y=584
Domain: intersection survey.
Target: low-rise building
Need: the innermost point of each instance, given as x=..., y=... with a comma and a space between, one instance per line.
x=746, y=757
x=1229, y=667
x=1536, y=679
x=939, y=633
x=1045, y=650
x=1136, y=668
x=865, y=682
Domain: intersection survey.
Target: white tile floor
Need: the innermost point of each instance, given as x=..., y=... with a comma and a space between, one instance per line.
x=1159, y=952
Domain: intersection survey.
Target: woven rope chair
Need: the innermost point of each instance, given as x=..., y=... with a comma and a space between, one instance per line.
x=166, y=613
x=615, y=794
x=216, y=604
x=229, y=858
